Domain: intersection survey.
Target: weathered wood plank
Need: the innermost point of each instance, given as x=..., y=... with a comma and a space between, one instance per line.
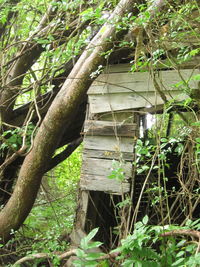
x=102, y=154
x=141, y=81
x=115, y=102
x=101, y=183
x=109, y=143
x=103, y=167
x=93, y=127
x=95, y=172
x=123, y=116
x=163, y=64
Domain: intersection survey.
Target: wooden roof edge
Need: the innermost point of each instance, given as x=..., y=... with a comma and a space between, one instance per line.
x=160, y=65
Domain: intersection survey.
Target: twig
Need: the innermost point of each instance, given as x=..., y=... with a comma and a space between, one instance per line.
x=66, y=254
x=193, y=233
x=14, y=156
x=64, y=154
x=63, y=256
x=186, y=232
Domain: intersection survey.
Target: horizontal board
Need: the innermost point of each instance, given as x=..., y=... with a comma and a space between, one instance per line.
x=109, y=143
x=102, y=154
x=122, y=101
x=93, y=127
x=118, y=68
x=140, y=81
x=103, y=167
x=100, y=183
x=162, y=64
x=123, y=116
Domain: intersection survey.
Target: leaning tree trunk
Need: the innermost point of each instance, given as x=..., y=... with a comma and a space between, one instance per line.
x=51, y=129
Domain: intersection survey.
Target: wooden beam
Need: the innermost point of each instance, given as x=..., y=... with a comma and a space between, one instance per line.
x=102, y=154
x=101, y=183
x=109, y=143
x=109, y=128
x=161, y=64
x=122, y=101
x=113, y=83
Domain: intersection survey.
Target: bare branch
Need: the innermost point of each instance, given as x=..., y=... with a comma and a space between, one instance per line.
x=191, y=233
x=64, y=154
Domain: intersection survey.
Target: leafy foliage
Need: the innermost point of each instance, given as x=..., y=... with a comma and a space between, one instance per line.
x=88, y=258
x=145, y=247
x=48, y=225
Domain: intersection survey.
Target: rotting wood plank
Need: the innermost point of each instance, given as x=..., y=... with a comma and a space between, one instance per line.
x=109, y=143
x=103, y=167
x=116, y=102
x=83, y=205
x=123, y=116
x=102, y=154
x=141, y=81
x=107, y=128
x=101, y=183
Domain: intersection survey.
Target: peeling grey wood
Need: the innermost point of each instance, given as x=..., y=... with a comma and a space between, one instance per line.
x=101, y=183
x=95, y=172
x=104, y=167
x=82, y=209
x=141, y=81
x=109, y=128
x=122, y=91
x=84, y=206
x=102, y=154
x=123, y=116
x=115, y=102
x=109, y=143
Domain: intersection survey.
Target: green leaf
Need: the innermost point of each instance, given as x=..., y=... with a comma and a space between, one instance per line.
x=177, y=263
x=84, y=244
x=84, y=241
x=94, y=245
x=42, y=41
x=104, y=264
x=179, y=148
x=80, y=253
x=142, y=169
x=181, y=243
x=77, y=263
x=145, y=219
x=92, y=234
x=180, y=253
x=196, y=123
x=91, y=263
x=196, y=77
x=194, y=52
x=93, y=256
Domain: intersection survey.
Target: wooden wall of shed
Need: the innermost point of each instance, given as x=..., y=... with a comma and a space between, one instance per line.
x=122, y=91
x=104, y=141
x=111, y=128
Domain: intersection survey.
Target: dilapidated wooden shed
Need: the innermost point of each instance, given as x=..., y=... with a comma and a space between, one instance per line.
x=117, y=102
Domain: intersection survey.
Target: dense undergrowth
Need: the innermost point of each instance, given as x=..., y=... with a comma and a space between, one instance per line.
x=47, y=227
